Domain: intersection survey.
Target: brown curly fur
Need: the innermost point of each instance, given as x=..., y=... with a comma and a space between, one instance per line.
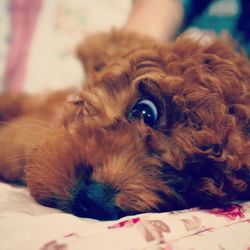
x=91, y=158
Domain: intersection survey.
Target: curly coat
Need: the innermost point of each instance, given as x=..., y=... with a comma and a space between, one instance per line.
x=103, y=155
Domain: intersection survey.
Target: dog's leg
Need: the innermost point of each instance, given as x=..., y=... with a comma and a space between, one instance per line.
x=24, y=122
x=17, y=141
x=15, y=145
x=11, y=107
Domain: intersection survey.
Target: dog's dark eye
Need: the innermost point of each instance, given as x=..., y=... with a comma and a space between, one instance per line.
x=145, y=109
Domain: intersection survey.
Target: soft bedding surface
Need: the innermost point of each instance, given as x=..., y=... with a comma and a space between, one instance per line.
x=24, y=224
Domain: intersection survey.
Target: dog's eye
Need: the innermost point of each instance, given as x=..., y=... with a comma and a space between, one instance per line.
x=145, y=109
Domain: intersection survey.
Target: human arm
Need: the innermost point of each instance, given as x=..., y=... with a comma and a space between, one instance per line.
x=163, y=19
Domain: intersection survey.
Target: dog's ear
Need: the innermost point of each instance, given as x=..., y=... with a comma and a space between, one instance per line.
x=99, y=49
x=91, y=53
x=219, y=55
x=224, y=68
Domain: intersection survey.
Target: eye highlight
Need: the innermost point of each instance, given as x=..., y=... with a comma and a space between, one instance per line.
x=145, y=109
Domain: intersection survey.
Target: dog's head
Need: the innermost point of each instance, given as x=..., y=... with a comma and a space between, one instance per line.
x=158, y=129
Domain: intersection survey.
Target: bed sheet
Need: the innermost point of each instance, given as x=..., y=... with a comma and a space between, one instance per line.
x=24, y=224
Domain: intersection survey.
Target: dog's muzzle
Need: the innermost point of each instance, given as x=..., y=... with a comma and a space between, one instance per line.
x=95, y=200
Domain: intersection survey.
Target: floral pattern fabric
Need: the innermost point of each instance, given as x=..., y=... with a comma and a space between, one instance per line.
x=24, y=224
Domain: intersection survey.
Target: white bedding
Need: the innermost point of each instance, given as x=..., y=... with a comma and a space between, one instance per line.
x=24, y=224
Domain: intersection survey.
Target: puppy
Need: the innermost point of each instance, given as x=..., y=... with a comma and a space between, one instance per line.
x=155, y=128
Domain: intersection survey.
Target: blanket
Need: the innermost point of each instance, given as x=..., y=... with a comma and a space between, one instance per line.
x=24, y=224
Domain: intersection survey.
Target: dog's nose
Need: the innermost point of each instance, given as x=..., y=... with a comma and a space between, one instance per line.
x=96, y=200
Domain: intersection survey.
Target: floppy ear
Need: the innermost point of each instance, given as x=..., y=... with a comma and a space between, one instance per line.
x=219, y=54
x=99, y=49
x=92, y=54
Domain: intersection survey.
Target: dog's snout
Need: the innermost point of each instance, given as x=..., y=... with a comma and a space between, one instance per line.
x=95, y=200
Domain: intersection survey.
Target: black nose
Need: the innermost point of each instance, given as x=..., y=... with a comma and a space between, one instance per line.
x=95, y=200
